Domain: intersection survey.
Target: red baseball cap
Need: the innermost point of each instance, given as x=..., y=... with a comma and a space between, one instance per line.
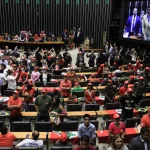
x=129, y=90
x=126, y=82
x=16, y=92
x=44, y=90
x=49, y=57
x=147, y=68
x=141, y=78
x=115, y=116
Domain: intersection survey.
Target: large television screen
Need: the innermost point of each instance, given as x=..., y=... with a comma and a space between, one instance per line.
x=137, y=20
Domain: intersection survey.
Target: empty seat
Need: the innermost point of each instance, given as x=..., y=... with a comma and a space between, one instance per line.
x=74, y=107
x=115, y=105
x=52, y=84
x=8, y=93
x=69, y=126
x=19, y=126
x=38, y=84
x=144, y=102
x=31, y=107
x=92, y=107
x=43, y=126
x=130, y=122
x=83, y=84
x=78, y=93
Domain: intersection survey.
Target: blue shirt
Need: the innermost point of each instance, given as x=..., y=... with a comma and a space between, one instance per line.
x=5, y=62
x=89, y=131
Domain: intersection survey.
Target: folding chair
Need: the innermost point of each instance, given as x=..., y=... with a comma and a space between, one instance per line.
x=74, y=107
x=69, y=126
x=43, y=126
x=8, y=93
x=144, y=102
x=19, y=126
x=92, y=107
x=115, y=105
x=38, y=84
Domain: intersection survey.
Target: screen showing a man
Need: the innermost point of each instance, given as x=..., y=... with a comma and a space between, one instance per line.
x=137, y=20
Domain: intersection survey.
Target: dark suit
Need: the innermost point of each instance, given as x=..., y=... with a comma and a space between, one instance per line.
x=79, y=38
x=137, y=27
x=137, y=144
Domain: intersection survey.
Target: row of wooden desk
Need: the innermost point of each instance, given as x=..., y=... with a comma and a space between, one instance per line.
x=81, y=113
x=102, y=136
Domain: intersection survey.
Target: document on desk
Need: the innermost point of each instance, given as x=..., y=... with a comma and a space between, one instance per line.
x=119, y=111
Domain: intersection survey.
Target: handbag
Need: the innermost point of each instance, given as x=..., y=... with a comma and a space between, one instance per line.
x=54, y=118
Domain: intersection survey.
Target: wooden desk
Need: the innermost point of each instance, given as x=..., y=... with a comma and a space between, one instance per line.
x=73, y=114
x=22, y=135
x=147, y=94
x=80, y=113
x=17, y=42
x=85, y=73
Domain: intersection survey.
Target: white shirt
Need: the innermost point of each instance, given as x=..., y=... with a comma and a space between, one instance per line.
x=11, y=82
x=122, y=148
x=31, y=143
x=3, y=78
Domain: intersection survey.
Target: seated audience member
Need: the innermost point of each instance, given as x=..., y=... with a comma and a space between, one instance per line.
x=127, y=104
x=145, y=121
x=100, y=69
x=71, y=75
x=57, y=68
x=123, y=89
x=6, y=138
x=93, y=78
x=77, y=87
x=142, y=141
x=87, y=128
x=14, y=105
x=82, y=78
x=34, y=142
x=117, y=143
x=89, y=94
x=65, y=86
x=84, y=144
x=116, y=127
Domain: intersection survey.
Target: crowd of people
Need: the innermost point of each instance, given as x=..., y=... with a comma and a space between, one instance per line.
x=40, y=66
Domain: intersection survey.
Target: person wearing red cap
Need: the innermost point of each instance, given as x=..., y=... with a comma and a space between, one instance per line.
x=28, y=94
x=145, y=121
x=43, y=106
x=89, y=94
x=100, y=69
x=71, y=75
x=77, y=87
x=137, y=66
x=116, y=127
x=14, y=105
x=35, y=75
x=139, y=89
x=131, y=80
x=127, y=104
x=65, y=86
x=123, y=89
x=23, y=75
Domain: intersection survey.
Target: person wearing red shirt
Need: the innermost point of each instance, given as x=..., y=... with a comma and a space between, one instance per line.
x=123, y=89
x=137, y=66
x=28, y=94
x=100, y=69
x=84, y=144
x=116, y=127
x=14, y=105
x=93, y=78
x=65, y=86
x=6, y=138
x=89, y=94
x=145, y=121
x=23, y=75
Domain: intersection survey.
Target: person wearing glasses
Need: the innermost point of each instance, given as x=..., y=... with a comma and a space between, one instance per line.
x=87, y=128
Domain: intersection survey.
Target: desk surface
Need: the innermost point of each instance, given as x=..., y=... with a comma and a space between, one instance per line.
x=49, y=42
x=22, y=135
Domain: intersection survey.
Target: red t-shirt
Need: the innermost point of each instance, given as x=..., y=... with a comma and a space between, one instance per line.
x=14, y=111
x=116, y=130
x=89, y=95
x=79, y=148
x=68, y=84
x=7, y=140
x=30, y=92
x=122, y=90
x=145, y=121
